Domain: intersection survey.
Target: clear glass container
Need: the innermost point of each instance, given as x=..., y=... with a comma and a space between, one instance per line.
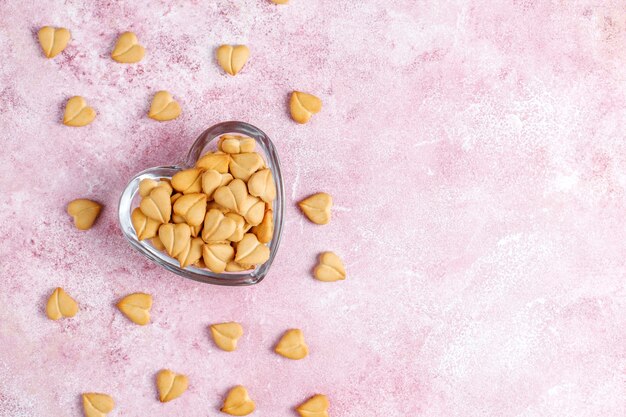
x=206, y=142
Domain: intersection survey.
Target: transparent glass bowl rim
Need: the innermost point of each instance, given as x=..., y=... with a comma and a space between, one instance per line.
x=206, y=138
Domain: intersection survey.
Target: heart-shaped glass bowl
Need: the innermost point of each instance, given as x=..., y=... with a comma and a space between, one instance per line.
x=206, y=142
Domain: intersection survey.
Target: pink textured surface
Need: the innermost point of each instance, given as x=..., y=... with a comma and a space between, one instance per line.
x=476, y=153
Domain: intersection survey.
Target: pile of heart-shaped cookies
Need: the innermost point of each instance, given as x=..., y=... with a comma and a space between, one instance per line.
x=217, y=215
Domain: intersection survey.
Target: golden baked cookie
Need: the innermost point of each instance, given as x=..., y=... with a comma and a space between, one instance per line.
x=226, y=335
x=84, y=211
x=170, y=385
x=232, y=58
x=136, y=307
x=60, y=304
x=127, y=49
x=303, y=106
x=77, y=113
x=238, y=402
x=53, y=40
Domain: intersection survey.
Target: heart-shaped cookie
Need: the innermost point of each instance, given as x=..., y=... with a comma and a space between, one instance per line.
x=192, y=207
x=317, y=207
x=226, y=335
x=97, y=404
x=238, y=402
x=235, y=197
x=77, y=113
x=53, y=40
x=316, y=406
x=232, y=58
x=60, y=304
x=178, y=253
x=84, y=211
x=127, y=49
x=330, y=268
x=170, y=385
x=303, y=106
x=136, y=307
x=164, y=107
x=250, y=251
x=292, y=345
x=217, y=227
x=157, y=205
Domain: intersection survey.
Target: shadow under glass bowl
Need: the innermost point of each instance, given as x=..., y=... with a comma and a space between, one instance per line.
x=207, y=141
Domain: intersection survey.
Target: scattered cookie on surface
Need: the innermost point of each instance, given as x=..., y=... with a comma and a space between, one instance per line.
x=317, y=207
x=164, y=107
x=60, y=304
x=330, y=268
x=53, y=40
x=226, y=335
x=77, y=113
x=316, y=406
x=280, y=1
x=127, y=49
x=238, y=402
x=170, y=385
x=97, y=405
x=303, y=106
x=136, y=307
x=84, y=211
x=292, y=345
x=232, y=58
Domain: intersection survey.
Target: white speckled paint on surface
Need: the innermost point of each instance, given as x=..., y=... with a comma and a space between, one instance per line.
x=477, y=156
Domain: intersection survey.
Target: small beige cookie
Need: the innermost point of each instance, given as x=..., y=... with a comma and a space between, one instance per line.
x=233, y=266
x=157, y=205
x=145, y=227
x=264, y=231
x=226, y=335
x=316, y=406
x=238, y=402
x=127, y=49
x=217, y=227
x=236, y=144
x=303, y=106
x=240, y=226
x=261, y=184
x=317, y=207
x=53, y=40
x=175, y=237
x=232, y=58
x=243, y=165
x=214, y=160
x=170, y=385
x=280, y=1
x=235, y=197
x=192, y=207
x=97, y=404
x=217, y=255
x=192, y=252
x=148, y=184
x=188, y=181
x=136, y=307
x=212, y=179
x=84, y=211
x=164, y=107
x=250, y=251
x=60, y=304
x=292, y=345
x=330, y=268
x=78, y=113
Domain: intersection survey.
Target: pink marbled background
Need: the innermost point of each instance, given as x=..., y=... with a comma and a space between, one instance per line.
x=476, y=153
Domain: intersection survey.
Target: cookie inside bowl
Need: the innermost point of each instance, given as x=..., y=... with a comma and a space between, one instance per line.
x=220, y=150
